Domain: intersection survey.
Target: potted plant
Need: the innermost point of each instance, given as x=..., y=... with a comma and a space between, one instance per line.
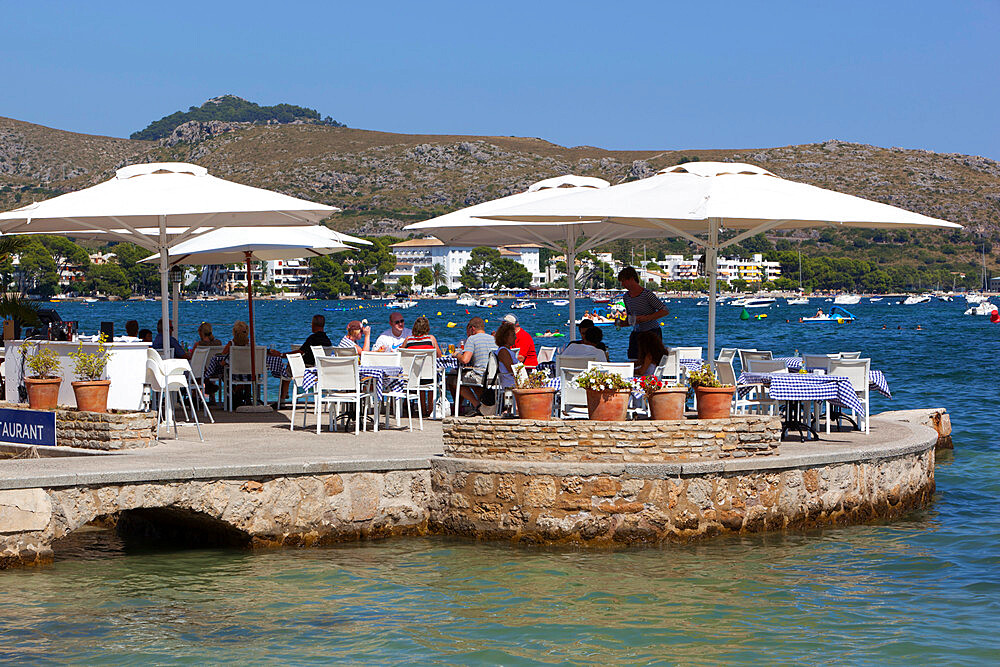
x=43, y=384
x=665, y=401
x=714, y=398
x=91, y=390
x=532, y=395
x=607, y=394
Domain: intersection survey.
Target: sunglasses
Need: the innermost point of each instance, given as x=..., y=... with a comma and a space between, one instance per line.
x=395, y=321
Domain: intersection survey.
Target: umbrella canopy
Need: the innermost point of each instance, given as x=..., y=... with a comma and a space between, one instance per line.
x=158, y=205
x=467, y=226
x=707, y=197
x=229, y=245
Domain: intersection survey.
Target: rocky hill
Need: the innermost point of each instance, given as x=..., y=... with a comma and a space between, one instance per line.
x=383, y=180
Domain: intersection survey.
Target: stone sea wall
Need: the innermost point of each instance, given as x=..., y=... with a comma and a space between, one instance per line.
x=634, y=441
x=109, y=431
x=291, y=510
x=649, y=503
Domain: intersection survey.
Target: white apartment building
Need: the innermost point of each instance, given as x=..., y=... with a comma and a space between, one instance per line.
x=416, y=254
x=754, y=270
x=292, y=275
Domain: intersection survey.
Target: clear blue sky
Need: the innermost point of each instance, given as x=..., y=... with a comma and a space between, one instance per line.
x=642, y=75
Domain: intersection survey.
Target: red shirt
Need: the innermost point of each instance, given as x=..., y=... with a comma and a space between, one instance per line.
x=526, y=345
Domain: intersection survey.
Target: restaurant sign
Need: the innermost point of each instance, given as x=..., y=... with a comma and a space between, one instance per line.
x=27, y=427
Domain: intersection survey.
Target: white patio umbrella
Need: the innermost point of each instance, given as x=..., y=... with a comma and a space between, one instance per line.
x=467, y=227
x=707, y=197
x=159, y=205
x=234, y=245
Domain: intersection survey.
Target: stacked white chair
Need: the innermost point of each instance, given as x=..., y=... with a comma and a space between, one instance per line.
x=165, y=384
x=297, y=367
x=338, y=381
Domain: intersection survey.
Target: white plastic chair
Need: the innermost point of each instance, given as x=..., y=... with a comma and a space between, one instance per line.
x=817, y=361
x=752, y=353
x=344, y=352
x=413, y=363
x=165, y=384
x=623, y=368
x=857, y=371
x=747, y=397
x=687, y=352
x=239, y=364
x=318, y=351
x=427, y=374
x=571, y=397
x=766, y=366
x=849, y=355
x=381, y=359
x=297, y=367
x=567, y=361
x=546, y=354
x=338, y=381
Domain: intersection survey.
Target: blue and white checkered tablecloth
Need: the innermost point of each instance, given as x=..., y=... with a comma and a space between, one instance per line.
x=806, y=387
x=213, y=368
x=876, y=378
x=384, y=378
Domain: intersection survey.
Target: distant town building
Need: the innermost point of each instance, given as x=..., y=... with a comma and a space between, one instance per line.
x=416, y=254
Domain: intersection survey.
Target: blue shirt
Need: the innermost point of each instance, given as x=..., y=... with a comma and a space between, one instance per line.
x=175, y=345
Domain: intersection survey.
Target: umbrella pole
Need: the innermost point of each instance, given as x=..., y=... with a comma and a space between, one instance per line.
x=571, y=281
x=168, y=409
x=712, y=266
x=253, y=338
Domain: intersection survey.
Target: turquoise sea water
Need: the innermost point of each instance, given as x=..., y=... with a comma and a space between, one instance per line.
x=924, y=590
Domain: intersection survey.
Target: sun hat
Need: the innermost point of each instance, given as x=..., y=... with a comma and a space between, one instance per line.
x=510, y=317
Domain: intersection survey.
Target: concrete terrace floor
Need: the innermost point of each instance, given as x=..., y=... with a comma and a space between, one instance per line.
x=260, y=445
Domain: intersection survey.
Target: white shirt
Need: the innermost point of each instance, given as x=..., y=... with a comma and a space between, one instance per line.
x=387, y=341
x=581, y=350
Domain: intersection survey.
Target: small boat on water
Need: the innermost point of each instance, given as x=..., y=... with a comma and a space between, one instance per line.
x=522, y=304
x=984, y=308
x=486, y=302
x=754, y=302
x=601, y=299
x=559, y=302
x=799, y=301
x=465, y=299
x=400, y=304
x=915, y=299
x=90, y=299
x=836, y=314
x=875, y=299
x=975, y=298
x=847, y=299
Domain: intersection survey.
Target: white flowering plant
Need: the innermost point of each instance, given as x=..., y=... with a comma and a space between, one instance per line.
x=600, y=380
x=537, y=379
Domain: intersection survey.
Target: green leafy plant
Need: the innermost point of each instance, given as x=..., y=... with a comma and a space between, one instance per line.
x=601, y=380
x=90, y=366
x=705, y=377
x=537, y=379
x=43, y=362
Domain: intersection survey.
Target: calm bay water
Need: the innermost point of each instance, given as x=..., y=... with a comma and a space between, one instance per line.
x=922, y=590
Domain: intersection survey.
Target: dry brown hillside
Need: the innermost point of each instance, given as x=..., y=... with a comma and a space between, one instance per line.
x=386, y=180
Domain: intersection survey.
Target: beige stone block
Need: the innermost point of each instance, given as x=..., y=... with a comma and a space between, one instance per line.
x=24, y=510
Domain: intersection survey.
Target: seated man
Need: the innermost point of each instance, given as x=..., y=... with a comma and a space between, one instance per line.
x=586, y=324
x=355, y=332
x=390, y=339
x=132, y=329
x=474, y=357
x=177, y=350
x=318, y=337
x=588, y=348
x=523, y=342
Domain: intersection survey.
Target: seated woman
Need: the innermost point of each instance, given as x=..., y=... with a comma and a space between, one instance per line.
x=421, y=337
x=241, y=336
x=205, y=338
x=589, y=348
x=505, y=337
x=649, y=352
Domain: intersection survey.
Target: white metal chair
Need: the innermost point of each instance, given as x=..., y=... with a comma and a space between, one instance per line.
x=380, y=359
x=727, y=353
x=413, y=362
x=857, y=371
x=817, y=361
x=344, y=352
x=687, y=352
x=766, y=366
x=747, y=397
x=546, y=354
x=238, y=372
x=297, y=367
x=623, y=368
x=571, y=397
x=567, y=361
x=426, y=374
x=318, y=351
x=165, y=384
x=338, y=381
x=747, y=355
x=849, y=355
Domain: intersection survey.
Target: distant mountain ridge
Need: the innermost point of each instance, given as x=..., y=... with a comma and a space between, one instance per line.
x=384, y=181
x=232, y=109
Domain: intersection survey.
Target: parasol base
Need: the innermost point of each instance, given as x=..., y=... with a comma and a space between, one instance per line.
x=255, y=408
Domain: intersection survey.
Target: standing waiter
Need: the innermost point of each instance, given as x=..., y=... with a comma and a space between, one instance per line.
x=644, y=308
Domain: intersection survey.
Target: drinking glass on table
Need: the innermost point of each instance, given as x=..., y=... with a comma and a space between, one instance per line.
x=451, y=348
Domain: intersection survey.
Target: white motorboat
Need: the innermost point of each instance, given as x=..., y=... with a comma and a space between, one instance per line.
x=400, y=304
x=918, y=298
x=975, y=298
x=559, y=302
x=522, y=304
x=984, y=308
x=875, y=299
x=847, y=299
x=754, y=302
x=799, y=301
x=465, y=299
x=486, y=302
x=836, y=314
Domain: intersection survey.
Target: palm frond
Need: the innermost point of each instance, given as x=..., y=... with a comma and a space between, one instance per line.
x=19, y=308
x=10, y=245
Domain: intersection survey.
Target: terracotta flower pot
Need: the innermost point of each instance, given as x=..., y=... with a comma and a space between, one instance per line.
x=43, y=394
x=668, y=403
x=92, y=395
x=714, y=402
x=608, y=406
x=534, y=403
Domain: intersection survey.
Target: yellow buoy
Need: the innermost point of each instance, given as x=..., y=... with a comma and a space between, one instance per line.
x=439, y=312
x=840, y=320
x=451, y=325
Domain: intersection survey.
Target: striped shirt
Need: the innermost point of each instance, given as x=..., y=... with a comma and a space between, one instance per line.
x=481, y=345
x=347, y=341
x=646, y=303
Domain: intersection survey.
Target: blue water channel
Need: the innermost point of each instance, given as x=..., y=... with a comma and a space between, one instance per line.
x=923, y=590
